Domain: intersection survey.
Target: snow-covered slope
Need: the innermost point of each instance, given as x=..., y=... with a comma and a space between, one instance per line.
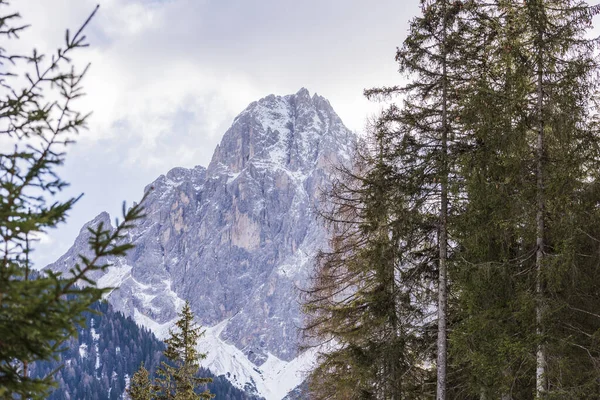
x=236, y=239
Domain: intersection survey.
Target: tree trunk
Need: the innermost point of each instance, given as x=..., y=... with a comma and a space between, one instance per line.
x=442, y=342
x=540, y=375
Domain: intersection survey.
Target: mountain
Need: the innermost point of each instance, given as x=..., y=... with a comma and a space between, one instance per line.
x=98, y=363
x=236, y=239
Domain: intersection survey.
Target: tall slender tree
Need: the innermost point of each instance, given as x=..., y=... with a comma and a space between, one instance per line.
x=357, y=306
x=491, y=278
x=177, y=377
x=563, y=61
x=417, y=143
x=442, y=338
x=433, y=66
x=538, y=20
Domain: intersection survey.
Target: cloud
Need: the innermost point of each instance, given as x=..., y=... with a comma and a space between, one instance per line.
x=167, y=78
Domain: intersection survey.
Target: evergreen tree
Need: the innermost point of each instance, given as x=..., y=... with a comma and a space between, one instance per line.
x=360, y=304
x=529, y=177
x=494, y=297
x=427, y=134
x=177, y=378
x=404, y=195
x=140, y=387
x=41, y=311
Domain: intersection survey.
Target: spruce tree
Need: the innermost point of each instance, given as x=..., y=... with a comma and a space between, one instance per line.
x=528, y=174
x=564, y=65
x=140, y=387
x=426, y=129
x=177, y=377
x=40, y=311
x=492, y=339
x=416, y=173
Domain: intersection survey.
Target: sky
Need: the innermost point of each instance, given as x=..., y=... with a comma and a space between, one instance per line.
x=168, y=77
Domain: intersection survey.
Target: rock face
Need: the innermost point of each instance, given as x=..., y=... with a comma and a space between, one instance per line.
x=236, y=238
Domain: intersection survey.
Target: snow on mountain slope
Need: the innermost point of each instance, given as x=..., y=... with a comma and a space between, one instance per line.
x=236, y=239
x=272, y=380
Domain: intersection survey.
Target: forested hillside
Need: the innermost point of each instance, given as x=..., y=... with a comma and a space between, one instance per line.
x=98, y=364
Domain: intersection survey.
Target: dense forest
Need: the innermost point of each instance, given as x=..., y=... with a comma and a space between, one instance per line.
x=108, y=350
x=464, y=255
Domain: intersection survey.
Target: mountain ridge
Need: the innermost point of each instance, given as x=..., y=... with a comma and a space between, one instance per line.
x=236, y=238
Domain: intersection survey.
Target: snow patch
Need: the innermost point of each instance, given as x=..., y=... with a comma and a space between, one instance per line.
x=83, y=350
x=273, y=380
x=178, y=301
x=294, y=264
x=161, y=331
x=232, y=176
x=95, y=337
x=114, y=276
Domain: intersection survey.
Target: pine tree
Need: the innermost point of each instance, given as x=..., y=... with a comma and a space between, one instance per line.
x=563, y=64
x=41, y=310
x=177, y=378
x=140, y=387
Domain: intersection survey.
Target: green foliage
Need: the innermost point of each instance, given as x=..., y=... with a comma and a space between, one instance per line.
x=177, y=377
x=522, y=83
x=140, y=387
x=40, y=311
x=359, y=305
x=97, y=363
x=514, y=87
x=391, y=246
x=424, y=140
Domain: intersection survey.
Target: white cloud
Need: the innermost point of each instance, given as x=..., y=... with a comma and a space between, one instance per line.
x=169, y=76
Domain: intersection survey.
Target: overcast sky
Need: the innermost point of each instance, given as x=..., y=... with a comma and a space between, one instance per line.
x=168, y=77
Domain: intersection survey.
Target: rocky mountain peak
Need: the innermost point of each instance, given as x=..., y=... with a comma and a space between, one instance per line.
x=294, y=132
x=236, y=240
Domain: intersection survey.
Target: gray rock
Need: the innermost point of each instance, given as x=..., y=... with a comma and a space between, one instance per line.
x=236, y=238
